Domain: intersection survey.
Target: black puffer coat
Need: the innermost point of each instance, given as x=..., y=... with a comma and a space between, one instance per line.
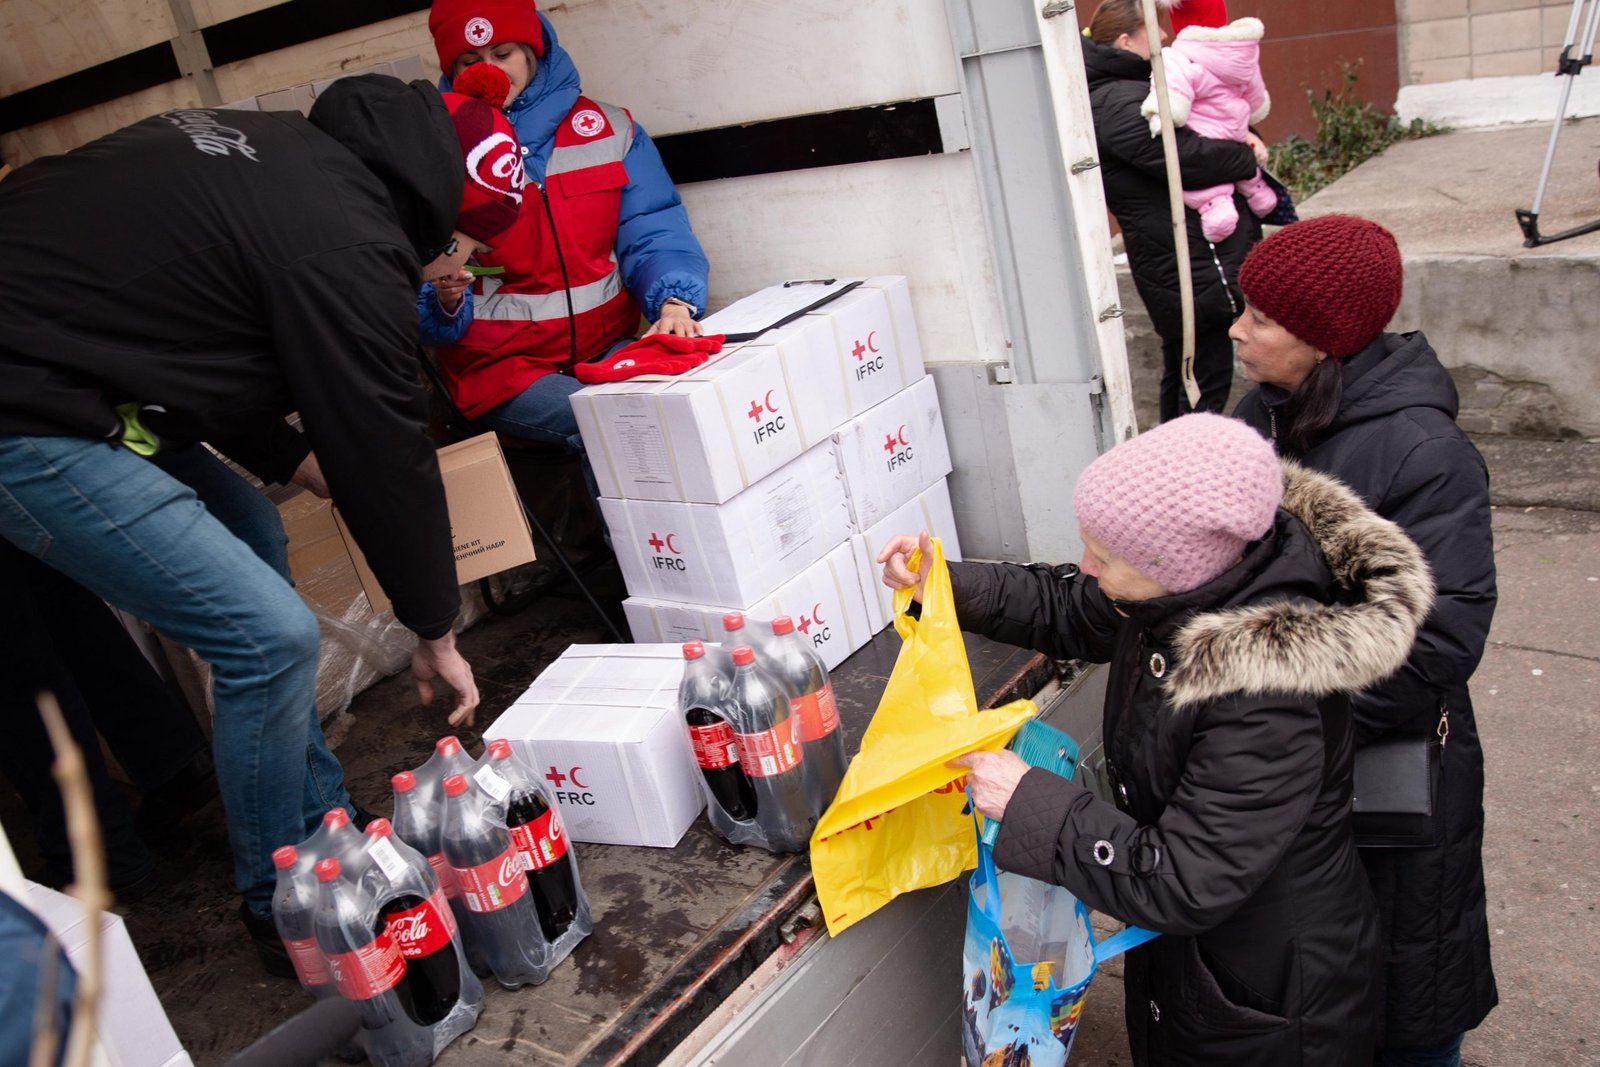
x=1395, y=442
x=1229, y=739
x=1134, y=173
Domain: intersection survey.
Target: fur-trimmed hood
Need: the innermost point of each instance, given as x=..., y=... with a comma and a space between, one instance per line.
x=1310, y=649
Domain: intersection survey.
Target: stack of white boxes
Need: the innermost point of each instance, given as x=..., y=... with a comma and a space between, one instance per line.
x=767, y=480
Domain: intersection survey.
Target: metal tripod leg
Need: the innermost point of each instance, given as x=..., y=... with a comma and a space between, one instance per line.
x=1570, y=67
x=572, y=572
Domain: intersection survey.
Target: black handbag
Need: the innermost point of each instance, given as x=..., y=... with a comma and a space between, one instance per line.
x=1397, y=789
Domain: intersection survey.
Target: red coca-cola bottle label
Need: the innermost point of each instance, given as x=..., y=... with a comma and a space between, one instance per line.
x=817, y=712
x=309, y=966
x=770, y=752
x=541, y=842
x=714, y=746
x=493, y=885
x=422, y=930
x=445, y=874
x=368, y=971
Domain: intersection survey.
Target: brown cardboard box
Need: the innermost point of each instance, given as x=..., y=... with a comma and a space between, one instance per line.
x=487, y=525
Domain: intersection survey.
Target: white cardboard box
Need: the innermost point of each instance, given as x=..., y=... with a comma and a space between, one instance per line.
x=892, y=452
x=825, y=601
x=737, y=552
x=928, y=510
x=601, y=725
x=706, y=435
x=133, y=1027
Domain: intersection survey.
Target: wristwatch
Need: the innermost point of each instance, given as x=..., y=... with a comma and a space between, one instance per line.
x=680, y=303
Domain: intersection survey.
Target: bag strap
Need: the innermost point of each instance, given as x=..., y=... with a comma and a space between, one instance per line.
x=1121, y=941
x=986, y=874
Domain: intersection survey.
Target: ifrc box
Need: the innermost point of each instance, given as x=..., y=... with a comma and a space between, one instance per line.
x=876, y=349
x=892, y=452
x=825, y=601
x=737, y=552
x=708, y=434
x=601, y=726
x=928, y=510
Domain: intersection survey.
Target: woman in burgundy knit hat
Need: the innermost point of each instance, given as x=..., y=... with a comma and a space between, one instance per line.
x=1377, y=411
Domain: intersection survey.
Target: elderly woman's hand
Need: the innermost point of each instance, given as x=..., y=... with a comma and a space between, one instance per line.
x=895, y=557
x=992, y=777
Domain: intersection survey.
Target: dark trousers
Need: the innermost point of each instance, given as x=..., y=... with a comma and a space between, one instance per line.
x=65, y=640
x=1213, y=372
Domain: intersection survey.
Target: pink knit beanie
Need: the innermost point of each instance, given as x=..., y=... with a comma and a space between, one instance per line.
x=1181, y=502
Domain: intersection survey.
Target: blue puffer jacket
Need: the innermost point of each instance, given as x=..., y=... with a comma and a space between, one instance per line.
x=656, y=249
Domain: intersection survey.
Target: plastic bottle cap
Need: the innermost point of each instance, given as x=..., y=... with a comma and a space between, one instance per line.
x=743, y=655
x=733, y=620
x=448, y=746
x=455, y=785
x=499, y=749
x=379, y=828
x=404, y=782
x=782, y=625
x=693, y=649
x=285, y=857
x=336, y=818
x=327, y=870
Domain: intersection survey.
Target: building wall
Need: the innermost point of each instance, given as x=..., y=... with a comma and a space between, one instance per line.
x=1448, y=40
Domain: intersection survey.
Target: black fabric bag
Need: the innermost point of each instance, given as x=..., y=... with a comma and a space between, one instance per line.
x=1398, y=782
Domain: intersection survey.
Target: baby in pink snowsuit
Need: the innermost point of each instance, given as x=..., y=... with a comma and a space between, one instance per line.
x=1214, y=82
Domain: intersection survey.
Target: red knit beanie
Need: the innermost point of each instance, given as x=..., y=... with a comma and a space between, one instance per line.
x=492, y=195
x=460, y=25
x=1181, y=502
x=1197, y=13
x=1332, y=281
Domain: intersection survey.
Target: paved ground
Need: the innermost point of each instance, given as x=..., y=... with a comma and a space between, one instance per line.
x=1537, y=709
x=1457, y=193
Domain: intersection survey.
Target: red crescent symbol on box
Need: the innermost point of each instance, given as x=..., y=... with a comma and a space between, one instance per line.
x=901, y=436
x=671, y=547
x=870, y=345
x=816, y=614
x=574, y=777
x=768, y=399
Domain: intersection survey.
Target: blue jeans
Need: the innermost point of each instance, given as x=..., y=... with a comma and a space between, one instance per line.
x=1445, y=1055
x=208, y=566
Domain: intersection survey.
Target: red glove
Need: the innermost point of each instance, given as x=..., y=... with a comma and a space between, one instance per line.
x=660, y=353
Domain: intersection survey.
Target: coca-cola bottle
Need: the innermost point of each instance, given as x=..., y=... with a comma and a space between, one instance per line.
x=416, y=822
x=498, y=915
x=801, y=671
x=369, y=971
x=701, y=694
x=423, y=929
x=541, y=843
x=764, y=729
x=294, y=909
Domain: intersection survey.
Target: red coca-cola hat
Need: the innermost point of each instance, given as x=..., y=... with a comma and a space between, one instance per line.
x=1184, y=13
x=492, y=195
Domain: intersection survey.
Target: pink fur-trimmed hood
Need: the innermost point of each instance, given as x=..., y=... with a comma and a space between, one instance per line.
x=1232, y=53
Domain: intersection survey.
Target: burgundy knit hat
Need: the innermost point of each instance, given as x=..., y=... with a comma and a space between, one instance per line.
x=460, y=25
x=492, y=195
x=1332, y=281
x=1180, y=503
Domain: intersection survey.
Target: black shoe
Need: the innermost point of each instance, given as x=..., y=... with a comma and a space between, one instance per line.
x=269, y=946
x=362, y=817
x=168, y=804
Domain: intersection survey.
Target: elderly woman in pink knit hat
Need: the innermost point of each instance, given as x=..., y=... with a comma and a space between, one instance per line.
x=1238, y=602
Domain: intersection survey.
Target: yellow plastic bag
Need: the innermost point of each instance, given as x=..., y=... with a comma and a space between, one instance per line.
x=897, y=823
